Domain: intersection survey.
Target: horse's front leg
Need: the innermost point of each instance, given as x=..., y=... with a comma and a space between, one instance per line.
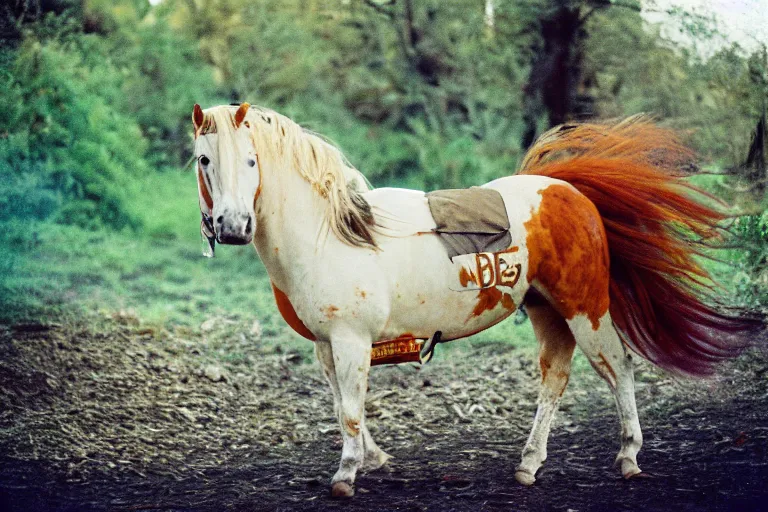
x=374, y=456
x=350, y=355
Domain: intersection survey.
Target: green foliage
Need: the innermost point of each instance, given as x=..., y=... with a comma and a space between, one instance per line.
x=97, y=94
x=274, y=59
x=62, y=135
x=164, y=78
x=752, y=280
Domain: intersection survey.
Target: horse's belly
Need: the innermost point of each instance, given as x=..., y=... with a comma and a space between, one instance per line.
x=427, y=296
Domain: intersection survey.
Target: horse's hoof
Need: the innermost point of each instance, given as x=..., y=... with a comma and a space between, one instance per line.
x=524, y=478
x=629, y=469
x=342, y=490
x=639, y=475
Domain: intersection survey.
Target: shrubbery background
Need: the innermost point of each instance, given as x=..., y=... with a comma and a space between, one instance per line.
x=96, y=98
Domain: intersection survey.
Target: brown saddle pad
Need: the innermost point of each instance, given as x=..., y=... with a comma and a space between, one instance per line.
x=470, y=220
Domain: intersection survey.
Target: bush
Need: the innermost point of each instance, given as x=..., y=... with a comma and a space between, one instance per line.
x=752, y=281
x=62, y=127
x=165, y=77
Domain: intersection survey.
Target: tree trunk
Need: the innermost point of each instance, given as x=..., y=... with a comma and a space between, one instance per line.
x=557, y=71
x=754, y=169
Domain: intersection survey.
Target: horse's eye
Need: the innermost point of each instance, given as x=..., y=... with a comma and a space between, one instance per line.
x=251, y=162
x=204, y=160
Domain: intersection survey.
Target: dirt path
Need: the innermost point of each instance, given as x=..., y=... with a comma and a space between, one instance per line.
x=121, y=417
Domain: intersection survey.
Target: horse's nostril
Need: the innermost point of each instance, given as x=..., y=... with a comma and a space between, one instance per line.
x=220, y=219
x=248, y=226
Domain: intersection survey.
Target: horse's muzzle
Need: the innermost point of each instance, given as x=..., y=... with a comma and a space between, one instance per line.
x=237, y=231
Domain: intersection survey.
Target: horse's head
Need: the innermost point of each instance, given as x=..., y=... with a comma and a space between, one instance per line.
x=228, y=174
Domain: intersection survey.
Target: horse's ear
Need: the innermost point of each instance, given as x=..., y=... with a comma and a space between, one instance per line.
x=240, y=114
x=197, y=117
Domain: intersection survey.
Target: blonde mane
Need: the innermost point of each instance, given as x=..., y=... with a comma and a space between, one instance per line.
x=282, y=143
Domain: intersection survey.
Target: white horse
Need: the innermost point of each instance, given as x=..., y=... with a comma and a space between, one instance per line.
x=600, y=233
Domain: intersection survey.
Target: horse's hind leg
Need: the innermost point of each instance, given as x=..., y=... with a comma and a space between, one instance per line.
x=610, y=358
x=556, y=350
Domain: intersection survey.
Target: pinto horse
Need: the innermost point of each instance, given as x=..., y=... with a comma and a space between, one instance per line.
x=601, y=225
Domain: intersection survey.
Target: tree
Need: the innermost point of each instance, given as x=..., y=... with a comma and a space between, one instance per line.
x=558, y=86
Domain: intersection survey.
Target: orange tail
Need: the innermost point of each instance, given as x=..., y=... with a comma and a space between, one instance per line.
x=662, y=300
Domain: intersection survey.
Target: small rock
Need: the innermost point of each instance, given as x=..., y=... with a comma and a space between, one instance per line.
x=213, y=373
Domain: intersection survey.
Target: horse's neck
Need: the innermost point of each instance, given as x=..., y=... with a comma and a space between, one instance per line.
x=289, y=220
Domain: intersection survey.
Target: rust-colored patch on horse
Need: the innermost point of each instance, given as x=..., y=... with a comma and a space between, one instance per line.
x=207, y=127
x=508, y=303
x=330, y=311
x=545, y=365
x=565, y=377
x=289, y=314
x=361, y=293
x=568, y=253
x=353, y=426
x=466, y=277
x=198, y=117
x=487, y=299
x=258, y=189
x=605, y=364
x=242, y=111
x=204, y=189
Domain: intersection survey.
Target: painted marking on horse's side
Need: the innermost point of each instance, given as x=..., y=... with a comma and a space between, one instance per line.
x=289, y=314
x=361, y=293
x=487, y=299
x=466, y=277
x=568, y=253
